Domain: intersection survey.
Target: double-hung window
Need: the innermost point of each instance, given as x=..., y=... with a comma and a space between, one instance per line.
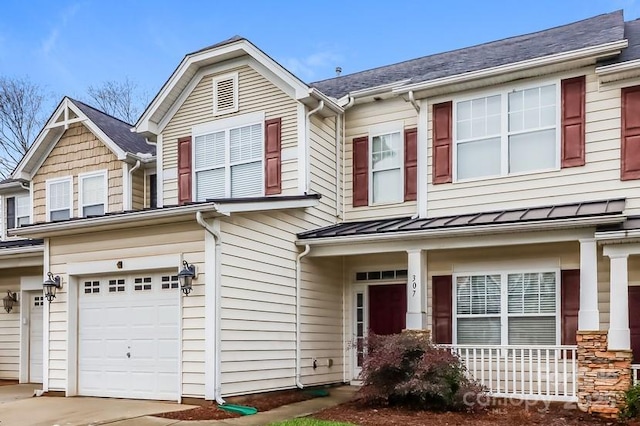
x=507, y=133
x=386, y=168
x=519, y=308
x=229, y=162
x=18, y=211
x=93, y=193
x=59, y=198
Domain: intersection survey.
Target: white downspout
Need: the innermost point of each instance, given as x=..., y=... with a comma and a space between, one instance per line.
x=308, y=142
x=344, y=148
x=130, y=196
x=217, y=341
x=412, y=99
x=338, y=165
x=305, y=252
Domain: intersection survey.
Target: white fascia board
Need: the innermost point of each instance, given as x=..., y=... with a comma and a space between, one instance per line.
x=589, y=52
x=240, y=207
x=464, y=231
x=119, y=152
x=21, y=251
x=619, y=67
x=112, y=221
x=376, y=90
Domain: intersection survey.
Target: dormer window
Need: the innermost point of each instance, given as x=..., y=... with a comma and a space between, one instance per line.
x=225, y=94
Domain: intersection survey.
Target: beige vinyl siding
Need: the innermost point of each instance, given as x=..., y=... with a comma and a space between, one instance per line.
x=138, y=190
x=77, y=151
x=127, y=245
x=599, y=179
x=323, y=169
x=360, y=119
x=256, y=94
x=258, y=306
x=321, y=323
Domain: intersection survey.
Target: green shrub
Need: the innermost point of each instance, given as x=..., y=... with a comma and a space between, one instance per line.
x=408, y=370
x=632, y=403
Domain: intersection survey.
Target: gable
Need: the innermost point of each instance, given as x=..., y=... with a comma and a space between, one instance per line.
x=77, y=151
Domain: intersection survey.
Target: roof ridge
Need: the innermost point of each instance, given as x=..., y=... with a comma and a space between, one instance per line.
x=619, y=11
x=100, y=111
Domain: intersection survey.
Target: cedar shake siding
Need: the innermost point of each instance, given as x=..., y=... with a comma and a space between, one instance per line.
x=77, y=151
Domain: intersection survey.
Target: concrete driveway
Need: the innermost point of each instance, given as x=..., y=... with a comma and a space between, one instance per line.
x=18, y=408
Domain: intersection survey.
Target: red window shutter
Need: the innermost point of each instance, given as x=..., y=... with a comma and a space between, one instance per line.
x=272, y=156
x=410, y=164
x=573, y=121
x=184, y=170
x=442, y=309
x=442, y=141
x=569, y=305
x=630, y=161
x=361, y=171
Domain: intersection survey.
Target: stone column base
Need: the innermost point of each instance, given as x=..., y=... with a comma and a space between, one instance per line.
x=603, y=375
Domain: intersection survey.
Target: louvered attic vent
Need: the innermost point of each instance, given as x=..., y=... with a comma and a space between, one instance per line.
x=225, y=94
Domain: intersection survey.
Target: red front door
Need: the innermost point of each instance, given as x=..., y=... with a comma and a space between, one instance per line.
x=634, y=321
x=387, y=308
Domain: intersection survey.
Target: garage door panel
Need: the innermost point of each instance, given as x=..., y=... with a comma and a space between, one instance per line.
x=129, y=315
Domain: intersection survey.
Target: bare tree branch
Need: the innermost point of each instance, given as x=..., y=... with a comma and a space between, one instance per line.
x=21, y=118
x=122, y=99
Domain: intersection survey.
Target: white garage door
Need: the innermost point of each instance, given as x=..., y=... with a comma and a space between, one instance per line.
x=36, y=301
x=128, y=336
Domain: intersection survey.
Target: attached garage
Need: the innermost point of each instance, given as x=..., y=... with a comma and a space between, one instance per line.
x=128, y=336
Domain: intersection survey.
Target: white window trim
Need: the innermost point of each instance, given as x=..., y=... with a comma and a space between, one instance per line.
x=50, y=182
x=380, y=130
x=27, y=196
x=219, y=126
x=215, y=80
x=504, y=312
x=504, y=125
x=81, y=178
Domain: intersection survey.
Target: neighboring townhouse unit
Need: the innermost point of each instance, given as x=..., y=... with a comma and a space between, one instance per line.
x=487, y=195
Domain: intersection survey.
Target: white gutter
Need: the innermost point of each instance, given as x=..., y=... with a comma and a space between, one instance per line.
x=588, y=52
x=306, y=251
x=308, y=141
x=217, y=339
x=619, y=67
x=463, y=231
x=329, y=102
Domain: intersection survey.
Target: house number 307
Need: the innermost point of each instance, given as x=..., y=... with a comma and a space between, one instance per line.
x=414, y=285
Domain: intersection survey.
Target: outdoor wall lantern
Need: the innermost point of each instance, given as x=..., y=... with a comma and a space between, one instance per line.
x=51, y=285
x=9, y=300
x=186, y=276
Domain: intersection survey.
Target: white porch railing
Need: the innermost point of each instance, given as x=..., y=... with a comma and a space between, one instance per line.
x=524, y=372
x=635, y=374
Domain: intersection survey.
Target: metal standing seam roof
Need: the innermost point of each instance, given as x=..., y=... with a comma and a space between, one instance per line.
x=407, y=224
x=117, y=130
x=598, y=30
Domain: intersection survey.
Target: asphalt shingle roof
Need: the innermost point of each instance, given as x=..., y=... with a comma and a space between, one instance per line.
x=117, y=130
x=594, y=31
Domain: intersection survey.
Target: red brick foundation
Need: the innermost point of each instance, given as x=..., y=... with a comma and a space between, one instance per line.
x=603, y=375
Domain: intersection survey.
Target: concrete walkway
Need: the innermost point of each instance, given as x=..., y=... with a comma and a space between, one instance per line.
x=10, y=393
x=299, y=409
x=78, y=411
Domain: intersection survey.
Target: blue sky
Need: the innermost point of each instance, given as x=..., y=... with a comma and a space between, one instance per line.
x=68, y=45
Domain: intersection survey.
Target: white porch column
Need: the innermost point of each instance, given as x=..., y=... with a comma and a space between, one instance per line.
x=416, y=290
x=588, y=316
x=619, y=335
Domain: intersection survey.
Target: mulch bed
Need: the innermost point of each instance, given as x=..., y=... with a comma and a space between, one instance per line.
x=263, y=402
x=8, y=382
x=498, y=413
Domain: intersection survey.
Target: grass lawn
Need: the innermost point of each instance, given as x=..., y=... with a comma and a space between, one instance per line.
x=309, y=422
